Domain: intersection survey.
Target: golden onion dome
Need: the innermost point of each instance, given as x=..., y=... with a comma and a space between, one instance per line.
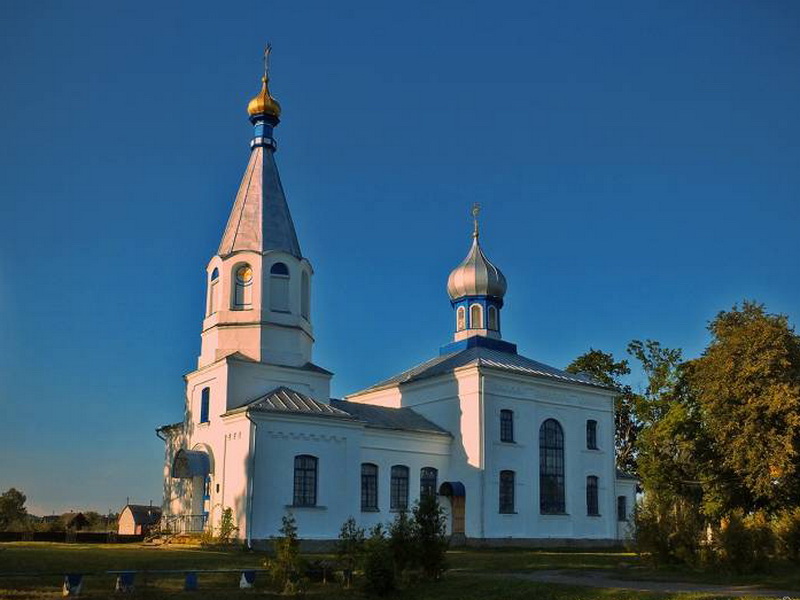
x=264, y=103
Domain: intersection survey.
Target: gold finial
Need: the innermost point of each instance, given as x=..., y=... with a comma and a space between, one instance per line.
x=476, y=210
x=264, y=103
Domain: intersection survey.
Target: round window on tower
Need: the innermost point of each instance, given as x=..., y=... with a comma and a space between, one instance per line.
x=244, y=274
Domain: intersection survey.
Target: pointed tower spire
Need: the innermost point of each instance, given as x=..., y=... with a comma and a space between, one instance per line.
x=259, y=284
x=260, y=219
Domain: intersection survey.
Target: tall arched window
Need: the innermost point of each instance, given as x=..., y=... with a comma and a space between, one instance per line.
x=205, y=399
x=592, y=501
x=243, y=287
x=279, y=287
x=427, y=481
x=492, y=319
x=305, y=296
x=551, y=468
x=461, y=318
x=369, y=487
x=212, y=292
x=476, y=316
x=305, y=480
x=399, y=488
x=507, y=491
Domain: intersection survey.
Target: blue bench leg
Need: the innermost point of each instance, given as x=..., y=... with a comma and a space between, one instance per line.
x=124, y=582
x=190, y=584
x=247, y=580
x=73, y=584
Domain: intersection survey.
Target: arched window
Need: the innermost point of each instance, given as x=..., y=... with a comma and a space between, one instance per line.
x=506, y=425
x=591, y=434
x=305, y=296
x=427, y=481
x=212, y=291
x=592, y=502
x=399, y=488
x=551, y=468
x=243, y=287
x=205, y=398
x=506, y=491
x=476, y=316
x=279, y=287
x=492, y=320
x=369, y=487
x=305, y=480
x=461, y=318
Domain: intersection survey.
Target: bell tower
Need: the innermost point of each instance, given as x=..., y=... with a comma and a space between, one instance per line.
x=258, y=301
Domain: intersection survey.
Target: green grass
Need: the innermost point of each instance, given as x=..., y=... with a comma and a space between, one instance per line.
x=474, y=574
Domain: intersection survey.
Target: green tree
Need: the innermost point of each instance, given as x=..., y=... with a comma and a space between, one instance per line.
x=285, y=568
x=608, y=371
x=379, y=570
x=401, y=542
x=12, y=510
x=747, y=386
x=350, y=548
x=430, y=536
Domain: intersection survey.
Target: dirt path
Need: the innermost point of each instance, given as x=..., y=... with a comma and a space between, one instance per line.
x=599, y=579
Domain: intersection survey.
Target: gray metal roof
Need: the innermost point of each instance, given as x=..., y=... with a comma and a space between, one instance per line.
x=286, y=400
x=260, y=219
x=143, y=514
x=402, y=419
x=476, y=275
x=483, y=357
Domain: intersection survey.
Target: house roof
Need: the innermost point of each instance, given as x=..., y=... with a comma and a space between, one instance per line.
x=284, y=400
x=401, y=419
x=482, y=356
x=143, y=514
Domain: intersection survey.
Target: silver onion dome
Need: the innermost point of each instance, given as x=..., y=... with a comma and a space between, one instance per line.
x=476, y=276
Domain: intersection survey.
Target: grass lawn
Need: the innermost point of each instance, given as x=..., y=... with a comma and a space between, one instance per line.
x=467, y=579
x=619, y=565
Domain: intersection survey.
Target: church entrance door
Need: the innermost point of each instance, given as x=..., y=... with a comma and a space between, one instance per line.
x=456, y=493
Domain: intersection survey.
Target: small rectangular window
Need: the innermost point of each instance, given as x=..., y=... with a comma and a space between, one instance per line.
x=427, y=481
x=506, y=492
x=622, y=508
x=369, y=487
x=399, y=488
x=205, y=399
x=591, y=434
x=506, y=426
x=592, y=504
x=305, y=480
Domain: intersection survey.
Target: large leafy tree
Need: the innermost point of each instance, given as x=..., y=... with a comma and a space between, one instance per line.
x=747, y=388
x=12, y=509
x=609, y=371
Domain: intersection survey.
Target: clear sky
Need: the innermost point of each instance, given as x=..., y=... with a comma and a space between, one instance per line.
x=638, y=164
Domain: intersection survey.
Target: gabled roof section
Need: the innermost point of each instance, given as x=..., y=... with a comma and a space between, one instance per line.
x=260, y=220
x=482, y=356
x=286, y=400
x=381, y=417
x=143, y=514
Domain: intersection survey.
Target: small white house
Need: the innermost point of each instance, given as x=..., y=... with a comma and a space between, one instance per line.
x=138, y=519
x=517, y=451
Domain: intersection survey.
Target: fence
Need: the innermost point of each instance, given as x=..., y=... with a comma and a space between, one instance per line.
x=73, y=537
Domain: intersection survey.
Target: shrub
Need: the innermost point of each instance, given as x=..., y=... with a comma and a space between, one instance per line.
x=401, y=543
x=285, y=567
x=227, y=527
x=669, y=531
x=743, y=544
x=430, y=536
x=350, y=548
x=379, y=569
x=786, y=529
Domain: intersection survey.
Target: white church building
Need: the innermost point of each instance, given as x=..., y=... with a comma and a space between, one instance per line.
x=515, y=450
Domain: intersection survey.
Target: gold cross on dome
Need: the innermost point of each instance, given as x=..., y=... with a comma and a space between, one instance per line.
x=476, y=210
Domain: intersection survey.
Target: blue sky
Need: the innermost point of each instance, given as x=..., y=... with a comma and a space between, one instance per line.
x=638, y=165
